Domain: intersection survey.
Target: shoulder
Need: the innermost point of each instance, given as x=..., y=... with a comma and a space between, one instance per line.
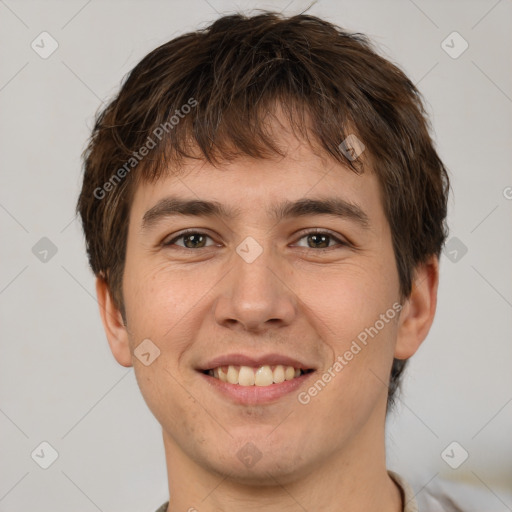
x=441, y=495
x=163, y=508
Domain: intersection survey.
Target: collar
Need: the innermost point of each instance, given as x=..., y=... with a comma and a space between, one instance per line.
x=408, y=498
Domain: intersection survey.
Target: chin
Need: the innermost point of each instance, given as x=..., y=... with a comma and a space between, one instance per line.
x=252, y=466
x=263, y=473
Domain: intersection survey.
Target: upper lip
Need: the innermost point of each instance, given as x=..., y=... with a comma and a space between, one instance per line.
x=238, y=359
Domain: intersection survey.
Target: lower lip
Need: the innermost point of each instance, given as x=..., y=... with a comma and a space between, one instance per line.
x=250, y=395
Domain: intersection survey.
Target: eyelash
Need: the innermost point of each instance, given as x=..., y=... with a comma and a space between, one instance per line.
x=313, y=232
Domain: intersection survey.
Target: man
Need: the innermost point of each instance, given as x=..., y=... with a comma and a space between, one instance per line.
x=264, y=212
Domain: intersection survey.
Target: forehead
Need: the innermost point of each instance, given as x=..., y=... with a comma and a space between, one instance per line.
x=260, y=196
x=248, y=188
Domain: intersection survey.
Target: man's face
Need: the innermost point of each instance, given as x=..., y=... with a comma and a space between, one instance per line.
x=261, y=285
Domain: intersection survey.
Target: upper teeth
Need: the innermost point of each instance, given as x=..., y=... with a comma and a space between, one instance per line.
x=261, y=376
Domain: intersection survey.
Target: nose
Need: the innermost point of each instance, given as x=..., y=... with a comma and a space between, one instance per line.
x=255, y=296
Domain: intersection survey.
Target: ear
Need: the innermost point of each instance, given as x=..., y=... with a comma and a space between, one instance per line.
x=419, y=309
x=113, y=324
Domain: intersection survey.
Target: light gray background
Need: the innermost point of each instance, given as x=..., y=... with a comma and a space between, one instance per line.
x=59, y=381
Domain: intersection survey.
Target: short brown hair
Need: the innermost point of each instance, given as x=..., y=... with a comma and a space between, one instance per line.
x=329, y=82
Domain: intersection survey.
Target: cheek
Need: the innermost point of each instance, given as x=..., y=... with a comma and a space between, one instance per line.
x=165, y=393
x=358, y=376
x=347, y=300
x=354, y=315
x=158, y=300
x=158, y=306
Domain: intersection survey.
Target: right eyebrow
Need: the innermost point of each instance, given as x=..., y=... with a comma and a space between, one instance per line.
x=170, y=206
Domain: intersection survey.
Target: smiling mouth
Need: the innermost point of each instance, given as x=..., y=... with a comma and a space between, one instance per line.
x=265, y=375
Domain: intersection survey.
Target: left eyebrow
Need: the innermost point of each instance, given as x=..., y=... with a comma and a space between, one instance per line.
x=171, y=206
x=328, y=206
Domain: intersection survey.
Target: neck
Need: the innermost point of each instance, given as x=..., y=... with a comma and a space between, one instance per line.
x=354, y=480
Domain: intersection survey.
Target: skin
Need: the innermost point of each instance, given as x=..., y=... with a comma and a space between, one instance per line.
x=295, y=299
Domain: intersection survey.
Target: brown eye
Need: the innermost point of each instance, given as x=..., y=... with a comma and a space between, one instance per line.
x=191, y=240
x=321, y=240
x=318, y=241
